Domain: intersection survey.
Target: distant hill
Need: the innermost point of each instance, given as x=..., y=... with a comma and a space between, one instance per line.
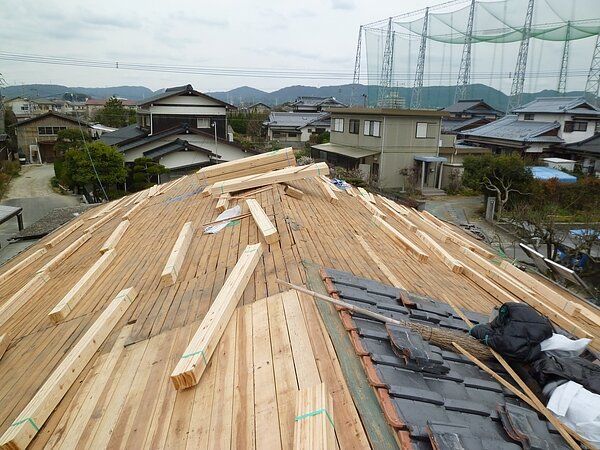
x=432, y=96
x=58, y=91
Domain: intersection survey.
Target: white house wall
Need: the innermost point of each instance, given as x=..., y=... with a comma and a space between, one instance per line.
x=569, y=138
x=182, y=159
x=191, y=110
x=189, y=100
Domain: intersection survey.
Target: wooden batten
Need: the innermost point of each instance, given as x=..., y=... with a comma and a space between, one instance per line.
x=63, y=234
x=393, y=205
x=371, y=207
x=168, y=186
x=21, y=297
x=173, y=267
x=4, y=343
x=206, y=191
x=115, y=237
x=154, y=191
x=28, y=423
x=331, y=197
x=70, y=300
x=350, y=191
x=400, y=218
x=66, y=253
x=143, y=196
x=276, y=176
x=406, y=243
x=314, y=426
x=379, y=262
x=196, y=356
x=446, y=258
x=427, y=226
x=293, y=192
x=133, y=211
x=331, y=185
x=265, y=226
x=464, y=242
x=25, y=263
x=223, y=202
x=107, y=218
x=362, y=192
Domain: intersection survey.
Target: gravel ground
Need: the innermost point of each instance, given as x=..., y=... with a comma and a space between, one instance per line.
x=50, y=222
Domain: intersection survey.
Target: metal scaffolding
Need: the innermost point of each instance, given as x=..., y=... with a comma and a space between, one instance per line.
x=415, y=99
x=592, y=84
x=564, y=65
x=356, y=77
x=464, y=73
x=519, y=76
x=385, y=81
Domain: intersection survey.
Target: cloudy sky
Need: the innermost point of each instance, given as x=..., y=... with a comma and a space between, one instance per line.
x=265, y=44
x=309, y=36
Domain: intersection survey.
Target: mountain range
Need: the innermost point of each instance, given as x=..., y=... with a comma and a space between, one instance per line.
x=432, y=96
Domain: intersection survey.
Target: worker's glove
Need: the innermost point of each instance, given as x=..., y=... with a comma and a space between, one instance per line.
x=481, y=332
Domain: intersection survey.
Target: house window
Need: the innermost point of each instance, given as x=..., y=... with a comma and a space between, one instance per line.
x=575, y=126
x=203, y=122
x=372, y=128
x=353, y=126
x=50, y=131
x=338, y=125
x=421, y=130
x=292, y=135
x=529, y=116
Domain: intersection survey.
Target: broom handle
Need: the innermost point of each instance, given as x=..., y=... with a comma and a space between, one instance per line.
x=356, y=309
x=528, y=397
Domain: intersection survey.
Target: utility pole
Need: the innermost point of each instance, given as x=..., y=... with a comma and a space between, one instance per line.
x=519, y=76
x=415, y=99
x=464, y=73
x=592, y=84
x=564, y=65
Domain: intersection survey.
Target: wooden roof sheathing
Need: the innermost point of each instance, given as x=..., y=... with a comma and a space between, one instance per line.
x=274, y=345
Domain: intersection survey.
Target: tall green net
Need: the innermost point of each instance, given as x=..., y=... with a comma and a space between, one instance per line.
x=497, y=33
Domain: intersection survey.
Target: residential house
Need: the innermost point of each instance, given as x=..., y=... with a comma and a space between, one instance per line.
x=21, y=106
x=4, y=152
x=294, y=129
x=468, y=114
x=182, y=129
x=586, y=153
x=36, y=136
x=386, y=144
x=538, y=126
x=93, y=105
x=74, y=108
x=256, y=108
x=315, y=104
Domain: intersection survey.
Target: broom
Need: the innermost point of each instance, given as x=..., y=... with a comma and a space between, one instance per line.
x=437, y=336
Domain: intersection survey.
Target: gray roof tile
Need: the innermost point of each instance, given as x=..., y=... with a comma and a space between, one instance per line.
x=512, y=129
x=558, y=105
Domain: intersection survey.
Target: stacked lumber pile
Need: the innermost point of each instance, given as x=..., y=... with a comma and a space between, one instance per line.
x=278, y=159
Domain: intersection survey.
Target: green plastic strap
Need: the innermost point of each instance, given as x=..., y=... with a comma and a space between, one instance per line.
x=199, y=352
x=29, y=419
x=233, y=223
x=316, y=413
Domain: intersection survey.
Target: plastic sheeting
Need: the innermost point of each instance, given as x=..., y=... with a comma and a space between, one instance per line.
x=577, y=408
x=563, y=346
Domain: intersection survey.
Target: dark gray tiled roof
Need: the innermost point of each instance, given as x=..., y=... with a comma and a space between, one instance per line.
x=293, y=119
x=123, y=134
x=449, y=124
x=590, y=145
x=178, y=90
x=512, y=129
x=175, y=146
x=440, y=398
x=471, y=107
x=558, y=105
x=317, y=101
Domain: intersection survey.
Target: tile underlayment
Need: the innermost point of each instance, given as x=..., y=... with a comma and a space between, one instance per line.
x=433, y=398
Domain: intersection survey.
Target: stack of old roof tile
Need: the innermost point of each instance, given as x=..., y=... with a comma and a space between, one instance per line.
x=433, y=398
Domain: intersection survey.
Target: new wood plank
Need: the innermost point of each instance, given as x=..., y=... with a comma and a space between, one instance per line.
x=196, y=356
x=99, y=223
x=314, y=426
x=23, y=264
x=4, y=343
x=371, y=207
x=21, y=297
x=66, y=253
x=293, y=192
x=115, y=236
x=63, y=233
x=265, y=226
x=285, y=157
x=366, y=195
x=406, y=243
x=276, y=176
x=379, y=262
x=223, y=202
x=35, y=414
x=331, y=197
x=76, y=293
x=175, y=262
x=436, y=248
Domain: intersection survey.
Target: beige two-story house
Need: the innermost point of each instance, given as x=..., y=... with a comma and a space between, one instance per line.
x=386, y=144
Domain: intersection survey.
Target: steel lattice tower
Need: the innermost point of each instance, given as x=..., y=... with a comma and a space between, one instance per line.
x=464, y=73
x=564, y=65
x=356, y=77
x=519, y=76
x=385, y=81
x=415, y=99
x=592, y=85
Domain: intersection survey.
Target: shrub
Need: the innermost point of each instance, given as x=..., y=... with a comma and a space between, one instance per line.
x=11, y=168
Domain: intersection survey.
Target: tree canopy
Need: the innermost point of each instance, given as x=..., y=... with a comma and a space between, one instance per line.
x=114, y=114
x=108, y=162
x=500, y=176
x=145, y=172
x=70, y=138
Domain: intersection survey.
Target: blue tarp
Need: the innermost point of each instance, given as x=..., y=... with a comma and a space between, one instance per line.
x=547, y=173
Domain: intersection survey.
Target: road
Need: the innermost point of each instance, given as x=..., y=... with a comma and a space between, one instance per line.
x=31, y=191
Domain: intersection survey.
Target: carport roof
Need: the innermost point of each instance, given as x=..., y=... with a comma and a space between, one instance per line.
x=351, y=152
